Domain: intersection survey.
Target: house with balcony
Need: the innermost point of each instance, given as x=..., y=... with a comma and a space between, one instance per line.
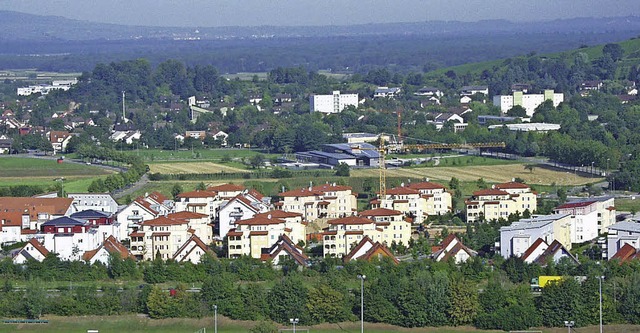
x=500, y=201
x=322, y=201
x=241, y=207
x=418, y=200
x=202, y=202
x=133, y=215
x=252, y=236
x=517, y=238
x=160, y=237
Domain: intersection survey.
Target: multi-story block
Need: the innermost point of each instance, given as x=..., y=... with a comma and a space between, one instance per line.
x=227, y=191
x=21, y=217
x=621, y=234
x=103, y=202
x=323, y=201
x=516, y=238
x=241, y=207
x=597, y=214
x=528, y=101
x=500, y=202
x=333, y=103
x=202, y=202
x=345, y=233
x=253, y=235
x=418, y=200
x=131, y=217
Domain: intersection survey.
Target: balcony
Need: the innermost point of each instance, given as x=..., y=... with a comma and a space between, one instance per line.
x=134, y=217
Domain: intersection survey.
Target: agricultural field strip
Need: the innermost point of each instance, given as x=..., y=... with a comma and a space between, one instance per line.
x=191, y=167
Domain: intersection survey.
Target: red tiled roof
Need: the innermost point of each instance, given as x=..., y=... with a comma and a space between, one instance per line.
x=489, y=191
x=532, y=248
x=576, y=204
x=258, y=233
x=234, y=233
x=354, y=232
x=111, y=245
x=34, y=242
x=400, y=201
x=255, y=194
x=146, y=205
x=350, y=220
x=260, y=220
x=160, y=234
x=35, y=206
x=158, y=197
x=136, y=234
x=278, y=214
x=161, y=220
x=380, y=212
x=199, y=244
x=186, y=215
x=625, y=253
x=426, y=186
x=512, y=185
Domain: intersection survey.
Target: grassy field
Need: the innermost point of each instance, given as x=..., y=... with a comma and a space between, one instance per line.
x=43, y=172
x=628, y=205
x=490, y=173
x=161, y=155
x=135, y=324
x=192, y=167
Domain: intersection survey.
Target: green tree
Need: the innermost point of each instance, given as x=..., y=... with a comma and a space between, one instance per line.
x=288, y=298
x=35, y=298
x=463, y=302
x=264, y=327
x=342, y=170
x=201, y=186
x=176, y=190
x=256, y=161
x=159, y=303
x=325, y=304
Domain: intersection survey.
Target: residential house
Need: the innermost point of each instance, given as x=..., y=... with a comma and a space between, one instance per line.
x=322, y=201
x=192, y=251
x=626, y=254
x=386, y=92
x=429, y=91
x=69, y=237
x=453, y=249
x=103, y=202
x=227, y=191
x=133, y=215
x=369, y=250
x=419, y=200
x=253, y=235
x=621, y=234
x=500, y=201
x=441, y=119
x=59, y=140
x=33, y=250
x=221, y=137
x=517, y=238
x=110, y=247
x=528, y=101
x=198, y=135
x=20, y=217
x=343, y=234
x=241, y=207
x=542, y=253
x=472, y=90
x=198, y=201
x=285, y=249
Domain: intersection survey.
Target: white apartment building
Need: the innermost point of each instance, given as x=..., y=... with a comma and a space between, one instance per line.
x=620, y=234
x=103, y=202
x=528, y=101
x=591, y=216
x=333, y=103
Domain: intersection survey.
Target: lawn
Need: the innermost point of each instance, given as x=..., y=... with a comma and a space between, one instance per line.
x=628, y=204
x=192, y=167
x=135, y=324
x=160, y=155
x=37, y=167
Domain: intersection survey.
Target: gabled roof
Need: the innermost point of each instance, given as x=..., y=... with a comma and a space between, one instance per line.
x=257, y=195
x=284, y=244
x=350, y=220
x=162, y=220
x=186, y=215
x=380, y=212
x=626, y=253
x=512, y=185
x=145, y=205
x=36, y=245
x=453, y=251
x=111, y=245
x=198, y=244
x=197, y=194
x=539, y=242
x=240, y=198
x=374, y=249
x=426, y=186
x=90, y=213
x=226, y=188
x=158, y=197
x=554, y=248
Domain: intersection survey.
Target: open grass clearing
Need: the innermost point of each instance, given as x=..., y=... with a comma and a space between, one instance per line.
x=160, y=155
x=38, y=167
x=490, y=173
x=192, y=167
x=138, y=323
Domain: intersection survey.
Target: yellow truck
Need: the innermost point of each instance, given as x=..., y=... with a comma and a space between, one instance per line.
x=543, y=280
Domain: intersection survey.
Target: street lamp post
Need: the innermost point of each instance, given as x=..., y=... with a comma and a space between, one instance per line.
x=569, y=324
x=592, y=169
x=61, y=180
x=600, y=290
x=215, y=319
x=294, y=321
x=361, y=278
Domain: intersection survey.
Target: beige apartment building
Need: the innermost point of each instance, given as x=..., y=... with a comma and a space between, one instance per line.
x=418, y=200
x=322, y=201
x=501, y=201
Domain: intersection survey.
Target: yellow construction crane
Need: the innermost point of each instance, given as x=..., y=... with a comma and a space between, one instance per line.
x=408, y=147
x=382, y=167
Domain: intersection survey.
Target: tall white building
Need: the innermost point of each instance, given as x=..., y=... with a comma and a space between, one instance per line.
x=333, y=103
x=528, y=101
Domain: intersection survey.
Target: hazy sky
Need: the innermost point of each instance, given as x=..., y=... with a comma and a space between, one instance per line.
x=315, y=12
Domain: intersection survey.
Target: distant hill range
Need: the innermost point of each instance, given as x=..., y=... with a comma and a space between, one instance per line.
x=16, y=26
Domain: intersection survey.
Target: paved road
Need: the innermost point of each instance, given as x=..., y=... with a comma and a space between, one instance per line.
x=129, y=190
